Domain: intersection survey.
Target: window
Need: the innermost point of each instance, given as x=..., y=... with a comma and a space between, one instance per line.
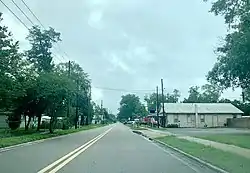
x=176, y=118
x=234, y=116
x=189, y=120
x=202, y=118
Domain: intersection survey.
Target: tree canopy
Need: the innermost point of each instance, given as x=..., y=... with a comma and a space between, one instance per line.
x=151, y=99
x=207, y=93
x=232, y=66
x=32, y=85
x=131, y=107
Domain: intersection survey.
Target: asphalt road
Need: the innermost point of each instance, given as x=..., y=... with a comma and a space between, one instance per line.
x=118, y=150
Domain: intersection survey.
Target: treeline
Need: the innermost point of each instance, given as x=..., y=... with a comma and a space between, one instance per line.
x=132, y=107
x=32, y=85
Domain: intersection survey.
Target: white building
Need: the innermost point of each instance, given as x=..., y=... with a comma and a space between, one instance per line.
x=200, y=114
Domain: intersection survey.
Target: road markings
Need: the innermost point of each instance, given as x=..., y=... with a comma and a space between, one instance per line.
x=58, y=164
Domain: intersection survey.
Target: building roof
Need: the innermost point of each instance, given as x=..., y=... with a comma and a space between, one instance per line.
x=219, y=108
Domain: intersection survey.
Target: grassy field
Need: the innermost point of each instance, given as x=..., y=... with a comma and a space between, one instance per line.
x=21, y=136
x=241, y=140
x=227, y=161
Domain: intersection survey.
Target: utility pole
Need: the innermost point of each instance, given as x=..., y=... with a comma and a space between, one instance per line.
x=163, y=110
x=89, y=105
x=69, y=68
x=157, y=111
x=102, y=109
x=77, y=102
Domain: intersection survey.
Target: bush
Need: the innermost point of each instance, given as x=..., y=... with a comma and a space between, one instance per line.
x=172, y=126
x=14, y=122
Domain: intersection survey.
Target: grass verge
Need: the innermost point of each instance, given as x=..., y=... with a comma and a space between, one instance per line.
x=29, y=136
x=227, y=161
x=241, y=140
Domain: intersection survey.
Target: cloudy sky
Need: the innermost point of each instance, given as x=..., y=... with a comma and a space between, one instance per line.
x=127, y=46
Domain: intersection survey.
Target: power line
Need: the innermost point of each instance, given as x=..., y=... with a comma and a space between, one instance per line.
x=22, y=12
x=124, y=90
x=33, y=14
x=23, y=22
x=15, y=15
x=39, y=21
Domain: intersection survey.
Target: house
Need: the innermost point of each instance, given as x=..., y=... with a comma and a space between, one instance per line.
x=200, y=114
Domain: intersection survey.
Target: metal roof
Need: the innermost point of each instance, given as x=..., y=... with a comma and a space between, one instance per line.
x=220, y=108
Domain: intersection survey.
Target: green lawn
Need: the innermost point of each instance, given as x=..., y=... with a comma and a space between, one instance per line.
x=21, y=136
x=241, y=140
x=227, y=161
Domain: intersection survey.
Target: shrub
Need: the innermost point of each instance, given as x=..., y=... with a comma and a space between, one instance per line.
x=14, y=122
x=172, y=126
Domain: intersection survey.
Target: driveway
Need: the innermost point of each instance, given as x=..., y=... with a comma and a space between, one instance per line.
x=207, y=131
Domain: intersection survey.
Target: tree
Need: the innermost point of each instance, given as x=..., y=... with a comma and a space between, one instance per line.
x=232, y=67
x=208, y=93
x=131, y=107
x=10, y=68
x=32, y=86
x=168, y=98
x=52, y=90
x=81, y=99
x=194, y=95
x=173, y=97
x=41, y=43
x=211, y=93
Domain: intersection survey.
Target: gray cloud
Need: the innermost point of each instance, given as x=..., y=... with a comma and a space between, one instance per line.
x=133, y=44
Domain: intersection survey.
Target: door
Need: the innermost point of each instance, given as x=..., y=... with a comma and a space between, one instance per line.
x=215, y=120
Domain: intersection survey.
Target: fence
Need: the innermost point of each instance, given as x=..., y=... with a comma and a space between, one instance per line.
x=239, y=122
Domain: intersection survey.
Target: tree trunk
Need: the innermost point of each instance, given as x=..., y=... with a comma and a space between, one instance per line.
x=25, y=122
x=87, y=120
x=39, y=122
x=51, y=128
x=27, y=125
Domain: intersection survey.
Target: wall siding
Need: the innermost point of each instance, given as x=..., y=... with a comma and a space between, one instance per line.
x=211, y=120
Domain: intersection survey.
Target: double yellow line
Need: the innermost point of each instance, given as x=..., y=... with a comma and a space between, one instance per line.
x=58, y=164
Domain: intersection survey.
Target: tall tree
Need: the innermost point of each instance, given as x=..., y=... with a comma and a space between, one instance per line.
x=131, y=107
x=83, y=88
x=168, y=98
x=232, y=67
x=41, y=44
x=207, y=93
x=194, y=95
x=11, y=66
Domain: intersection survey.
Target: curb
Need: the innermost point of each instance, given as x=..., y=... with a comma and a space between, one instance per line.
x=217, y=169
x=4, y=149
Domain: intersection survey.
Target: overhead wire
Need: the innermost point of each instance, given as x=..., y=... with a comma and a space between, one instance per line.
x=39, y=21
x=125, y=90
x=22, y=22
x=22, y=12
x=33, y=14
x=15, y=15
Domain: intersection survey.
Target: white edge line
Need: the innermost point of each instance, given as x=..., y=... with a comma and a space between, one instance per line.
x=69, y=154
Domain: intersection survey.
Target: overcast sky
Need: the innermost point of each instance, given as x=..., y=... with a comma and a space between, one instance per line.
x=130, y=44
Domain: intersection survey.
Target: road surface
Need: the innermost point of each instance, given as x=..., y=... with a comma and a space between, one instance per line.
x=112, y=149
